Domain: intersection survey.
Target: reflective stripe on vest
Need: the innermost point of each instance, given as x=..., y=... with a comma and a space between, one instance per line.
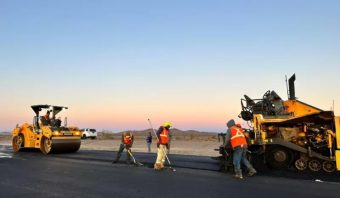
x=237, y=137
x=127, y=139
x=164, y=136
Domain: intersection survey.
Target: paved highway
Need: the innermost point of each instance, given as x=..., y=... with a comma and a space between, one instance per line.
x=91, y=174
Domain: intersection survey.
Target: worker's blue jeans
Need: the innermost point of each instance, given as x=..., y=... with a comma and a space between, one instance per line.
x=240, y=156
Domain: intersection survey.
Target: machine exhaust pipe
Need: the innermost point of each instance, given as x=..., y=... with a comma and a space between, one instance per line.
x=291, y=87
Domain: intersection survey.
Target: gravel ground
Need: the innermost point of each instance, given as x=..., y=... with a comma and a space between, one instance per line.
x=183, y=147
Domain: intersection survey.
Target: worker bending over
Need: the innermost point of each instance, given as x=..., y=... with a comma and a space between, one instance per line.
x=162, y=145
x=235, y=135
x=127, y=141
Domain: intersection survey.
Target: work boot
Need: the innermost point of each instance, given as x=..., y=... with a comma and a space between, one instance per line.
x=116, y=160
x=128, y=159
x=157, y=166
x=251, y=172
x=161, y=166
x=238, y=174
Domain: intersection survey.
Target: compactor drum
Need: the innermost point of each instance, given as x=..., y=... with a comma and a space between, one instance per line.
x=46, y=133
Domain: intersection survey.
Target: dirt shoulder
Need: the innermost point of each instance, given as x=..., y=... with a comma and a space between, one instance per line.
x=185, y=145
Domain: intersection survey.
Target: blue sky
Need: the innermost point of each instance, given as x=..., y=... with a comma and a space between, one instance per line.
x=117, y=62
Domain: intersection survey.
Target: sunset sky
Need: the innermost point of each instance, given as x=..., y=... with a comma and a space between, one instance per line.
x=117, y=63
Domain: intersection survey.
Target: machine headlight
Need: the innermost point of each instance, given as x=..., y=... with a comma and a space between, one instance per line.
x=56, y=133
x=77, y=133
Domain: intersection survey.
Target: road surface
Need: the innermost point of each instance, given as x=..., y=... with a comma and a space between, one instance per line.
x=91, y=174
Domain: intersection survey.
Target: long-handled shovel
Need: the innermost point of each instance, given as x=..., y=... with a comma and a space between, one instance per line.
x=166, y=156
x=134, y=160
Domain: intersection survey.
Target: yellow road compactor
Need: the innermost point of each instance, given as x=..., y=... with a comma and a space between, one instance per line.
x=292, y=133
x=46, y=133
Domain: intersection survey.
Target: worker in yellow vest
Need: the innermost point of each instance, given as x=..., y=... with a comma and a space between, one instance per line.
x=162, y=145
x=127, y=141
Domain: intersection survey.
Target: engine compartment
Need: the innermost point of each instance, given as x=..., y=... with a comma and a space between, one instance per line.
x=317, y=137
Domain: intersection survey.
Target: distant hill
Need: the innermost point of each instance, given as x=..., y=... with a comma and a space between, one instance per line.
x=5, y=136
x=5, y=132
x=176, y=133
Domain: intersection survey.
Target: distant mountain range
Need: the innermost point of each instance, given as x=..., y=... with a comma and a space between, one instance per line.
x=4, y=133
x=176, y=133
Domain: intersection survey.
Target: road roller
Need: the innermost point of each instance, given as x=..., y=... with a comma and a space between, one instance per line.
x=47, y=132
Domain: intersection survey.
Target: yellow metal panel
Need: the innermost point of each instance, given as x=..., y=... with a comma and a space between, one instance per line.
x=337, y=135
x=15, y=131
x=298, y=108
x=337, y=159
x=337, y=131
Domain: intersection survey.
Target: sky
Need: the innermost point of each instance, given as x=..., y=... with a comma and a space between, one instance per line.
x=117, y=63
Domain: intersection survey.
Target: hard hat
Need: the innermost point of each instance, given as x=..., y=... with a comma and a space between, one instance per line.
x=167, y=124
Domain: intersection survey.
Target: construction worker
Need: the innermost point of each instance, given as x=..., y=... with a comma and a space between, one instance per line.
x=235, y=135
x=162, y=145
x=47, y=117
x=149, y=141
x=126, y=143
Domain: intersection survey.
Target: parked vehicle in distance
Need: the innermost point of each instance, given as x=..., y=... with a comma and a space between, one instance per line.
x=88, y=133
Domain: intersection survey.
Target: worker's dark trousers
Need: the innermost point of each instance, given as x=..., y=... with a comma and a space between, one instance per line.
x=120, y=151
x=149, y=146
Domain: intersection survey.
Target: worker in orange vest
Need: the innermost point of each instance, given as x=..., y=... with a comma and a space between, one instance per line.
x=235, y=136
x=47, y=117
x=163, y=136
x=127, y=141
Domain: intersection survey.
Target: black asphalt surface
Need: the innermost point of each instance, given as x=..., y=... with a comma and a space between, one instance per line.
x=91, y=174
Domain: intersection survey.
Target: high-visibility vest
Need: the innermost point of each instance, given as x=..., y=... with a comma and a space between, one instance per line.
x=164, y=136
x=127, y=139
x=47, y=117
x=237, y=138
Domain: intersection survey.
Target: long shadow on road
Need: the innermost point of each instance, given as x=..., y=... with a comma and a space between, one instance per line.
x=204, y=163
x=186, y=162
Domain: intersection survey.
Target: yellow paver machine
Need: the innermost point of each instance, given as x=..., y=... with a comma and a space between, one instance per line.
x=46, y=133
x=292, y=133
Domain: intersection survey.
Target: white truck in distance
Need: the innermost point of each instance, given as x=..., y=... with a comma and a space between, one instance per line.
x=88, y=133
